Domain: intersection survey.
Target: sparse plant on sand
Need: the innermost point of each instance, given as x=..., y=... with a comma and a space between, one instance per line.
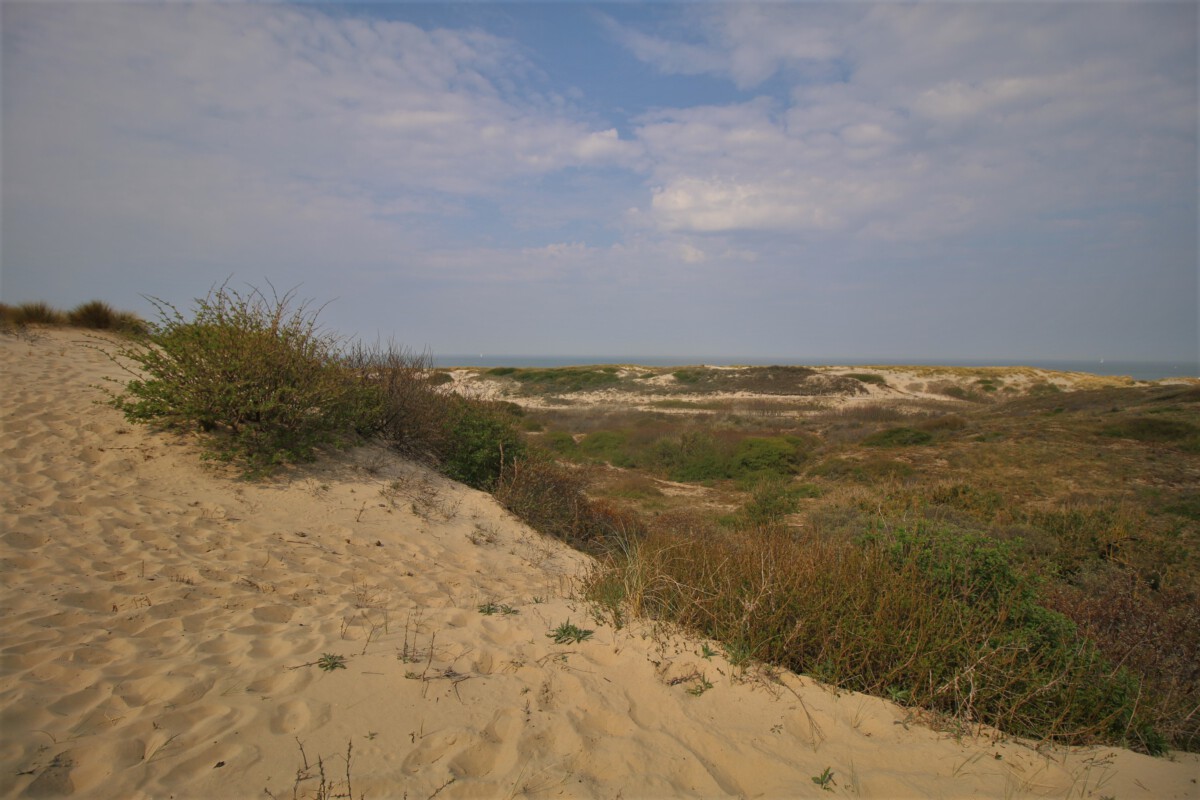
x=569, y=633
x=328, y=662
x=824, y=780
x=489, y=608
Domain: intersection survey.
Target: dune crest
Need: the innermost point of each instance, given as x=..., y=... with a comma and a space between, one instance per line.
x=172, y=630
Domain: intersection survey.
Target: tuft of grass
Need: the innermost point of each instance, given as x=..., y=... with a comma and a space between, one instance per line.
x=36, y=313
x=99, y=315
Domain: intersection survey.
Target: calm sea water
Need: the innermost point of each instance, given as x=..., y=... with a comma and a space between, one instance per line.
x=1140, y=370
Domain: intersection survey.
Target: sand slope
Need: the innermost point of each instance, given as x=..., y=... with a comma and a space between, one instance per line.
x=161, y=620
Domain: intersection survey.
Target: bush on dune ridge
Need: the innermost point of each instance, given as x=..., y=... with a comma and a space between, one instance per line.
x=256, y=374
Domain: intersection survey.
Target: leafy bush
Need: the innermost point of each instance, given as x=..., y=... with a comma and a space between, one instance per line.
x=479, y=439
x=559, y=379
x=775, y=454
x=254, y=374
x=605, y=446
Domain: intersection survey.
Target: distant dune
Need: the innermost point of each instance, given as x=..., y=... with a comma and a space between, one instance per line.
x=171, y=630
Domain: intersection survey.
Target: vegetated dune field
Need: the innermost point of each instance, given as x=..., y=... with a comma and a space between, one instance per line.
x=364, y=627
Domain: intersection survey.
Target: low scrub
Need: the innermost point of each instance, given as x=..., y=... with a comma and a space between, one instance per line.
x=898, y=437
x=479, y=439
x=550, y=497
x=254, y=374
x=1155, y=429
x=927, y=617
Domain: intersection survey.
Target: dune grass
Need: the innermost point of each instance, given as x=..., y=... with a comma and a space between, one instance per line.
x=94, y=315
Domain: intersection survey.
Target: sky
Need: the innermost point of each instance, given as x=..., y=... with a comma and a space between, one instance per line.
x=930, y=181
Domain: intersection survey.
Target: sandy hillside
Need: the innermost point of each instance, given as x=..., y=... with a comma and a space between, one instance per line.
x=163, y=623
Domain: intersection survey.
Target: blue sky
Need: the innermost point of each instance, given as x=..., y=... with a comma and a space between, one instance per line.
x=788, y=180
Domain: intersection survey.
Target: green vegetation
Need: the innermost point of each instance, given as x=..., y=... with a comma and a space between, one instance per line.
x=560, y=380
x=959, y=518
x=255, y=374
x=569, y=633
x=898, y=437
x=1029, y=563
x=868, y=377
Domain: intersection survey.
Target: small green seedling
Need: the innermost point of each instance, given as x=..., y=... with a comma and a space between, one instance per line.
x=331, y=661
x=489, y=608
x=824, y=780
x=568, y=633
x=702, y=686
x=707, y=652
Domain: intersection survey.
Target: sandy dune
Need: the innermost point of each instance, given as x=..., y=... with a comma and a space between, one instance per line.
x=163, y=620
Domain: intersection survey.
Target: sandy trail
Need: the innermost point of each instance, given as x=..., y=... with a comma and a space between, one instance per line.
x=163, y=621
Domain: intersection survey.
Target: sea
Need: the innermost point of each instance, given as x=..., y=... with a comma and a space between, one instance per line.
x=1138, y=370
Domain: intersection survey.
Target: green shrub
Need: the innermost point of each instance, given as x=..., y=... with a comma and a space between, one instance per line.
x=412, y=418
x=898, y=437
x=776, y=454
x=693, y=456
x=479, y=439
x=868, y=377
x=771, y=500
x=254, y=374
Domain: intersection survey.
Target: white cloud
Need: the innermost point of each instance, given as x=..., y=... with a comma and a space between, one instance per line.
x=950, y=120
x=191, y=116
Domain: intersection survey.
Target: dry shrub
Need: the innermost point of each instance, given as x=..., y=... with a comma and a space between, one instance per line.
x=926, y=617
x=550, y=497
x=1155, y=633
x=37, y=313
x=414, y=414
